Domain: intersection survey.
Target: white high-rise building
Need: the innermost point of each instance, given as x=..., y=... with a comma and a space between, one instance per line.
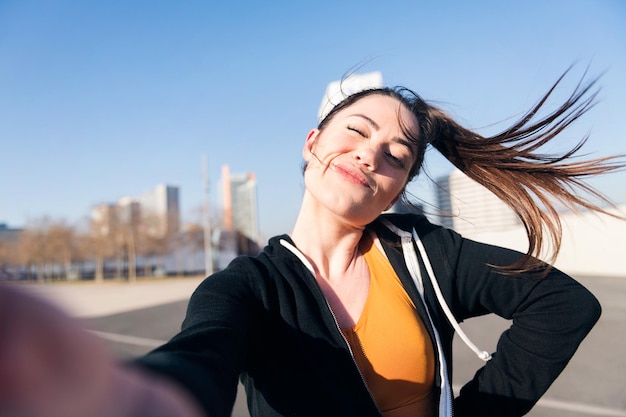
x=240, y=203
x=160, y=207
x=468, y=207
x=336, y=91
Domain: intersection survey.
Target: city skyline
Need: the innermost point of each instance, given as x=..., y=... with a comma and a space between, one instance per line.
x=239, y=203
x=156, y=209
x=103, y=100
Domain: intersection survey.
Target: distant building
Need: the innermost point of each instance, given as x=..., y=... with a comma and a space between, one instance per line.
x=9, y=239
x=592, y=244
x=104, y=219
x=157, y=208
x=154, y=214
x=240, y=208
x=467, y=206
x=402, y=207
x=160, y=208
x=128, y=211
x=336, y=91
x=8, y=234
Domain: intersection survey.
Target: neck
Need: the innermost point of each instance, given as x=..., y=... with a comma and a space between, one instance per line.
x=330, y=244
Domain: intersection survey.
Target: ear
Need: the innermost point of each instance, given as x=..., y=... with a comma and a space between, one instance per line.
x=308, y=144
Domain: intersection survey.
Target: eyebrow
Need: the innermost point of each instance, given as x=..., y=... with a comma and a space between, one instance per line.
x=375, y=125
x=368, y=119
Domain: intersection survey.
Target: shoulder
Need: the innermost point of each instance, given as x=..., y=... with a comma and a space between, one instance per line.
x=428, y=232
x=404, y=221
x=255, y=272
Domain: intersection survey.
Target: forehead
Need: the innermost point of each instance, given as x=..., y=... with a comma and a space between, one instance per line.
x=384, y=110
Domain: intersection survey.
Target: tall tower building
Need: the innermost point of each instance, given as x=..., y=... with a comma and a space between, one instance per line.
x=240, y=203
x=160, y=207
x=468, y=207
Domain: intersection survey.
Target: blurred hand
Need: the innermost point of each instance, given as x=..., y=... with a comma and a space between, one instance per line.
x=51, y=367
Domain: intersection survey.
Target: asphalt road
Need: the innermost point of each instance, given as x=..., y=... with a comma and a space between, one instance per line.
x=594, y=383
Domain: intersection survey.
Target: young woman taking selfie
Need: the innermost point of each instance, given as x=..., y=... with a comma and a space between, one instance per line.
x=353, y=312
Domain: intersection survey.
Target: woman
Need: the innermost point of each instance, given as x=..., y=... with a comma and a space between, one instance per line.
x=353, y=313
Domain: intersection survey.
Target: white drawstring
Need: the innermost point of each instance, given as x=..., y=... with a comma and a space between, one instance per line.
x=410, y=258
x=415, y=272
x=299, y=254
x=482, y=354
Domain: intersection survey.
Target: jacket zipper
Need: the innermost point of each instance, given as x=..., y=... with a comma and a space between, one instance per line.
x=347, y=345
x=310, y=269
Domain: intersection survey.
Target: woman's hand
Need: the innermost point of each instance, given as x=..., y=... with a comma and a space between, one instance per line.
x=51, y=367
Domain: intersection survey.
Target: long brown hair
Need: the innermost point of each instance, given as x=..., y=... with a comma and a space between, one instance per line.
x=533, y=184
x=510, y=164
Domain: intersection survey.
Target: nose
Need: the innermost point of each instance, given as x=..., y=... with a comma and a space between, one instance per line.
x=366, y=156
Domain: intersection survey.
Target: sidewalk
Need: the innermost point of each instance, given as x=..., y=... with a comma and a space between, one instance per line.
x=87, y=299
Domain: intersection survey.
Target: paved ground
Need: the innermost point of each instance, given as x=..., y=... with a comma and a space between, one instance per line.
x=134, y=318
x=86, y=299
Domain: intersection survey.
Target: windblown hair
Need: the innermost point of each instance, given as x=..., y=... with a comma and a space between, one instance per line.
x=510, y=164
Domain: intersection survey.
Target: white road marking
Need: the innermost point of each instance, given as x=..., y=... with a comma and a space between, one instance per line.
x=129, y=340
x=586, y=409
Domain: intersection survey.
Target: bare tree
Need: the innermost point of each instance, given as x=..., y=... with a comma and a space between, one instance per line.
x=119, y=223
x=130, y=236
x=113, y=230
x=125, y=244
x=7, y=259
x=155, y=240
x=33, y=249
x=82, y=254
x=61, y=245
x=195, y=234
x=99, y=245
x=191, y=241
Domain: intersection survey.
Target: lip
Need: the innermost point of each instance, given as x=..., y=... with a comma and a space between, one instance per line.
x=351, y=174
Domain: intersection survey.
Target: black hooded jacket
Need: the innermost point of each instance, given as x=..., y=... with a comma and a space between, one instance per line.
x=265, y=320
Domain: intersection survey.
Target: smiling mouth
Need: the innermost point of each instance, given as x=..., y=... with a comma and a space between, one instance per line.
x=353, y=176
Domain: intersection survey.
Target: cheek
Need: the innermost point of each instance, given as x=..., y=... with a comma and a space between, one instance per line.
x=395, y=187
x=322, y=156
x=332, y=142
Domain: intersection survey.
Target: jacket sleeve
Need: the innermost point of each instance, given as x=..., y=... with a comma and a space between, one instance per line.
x=207, y=356
x=550, y=318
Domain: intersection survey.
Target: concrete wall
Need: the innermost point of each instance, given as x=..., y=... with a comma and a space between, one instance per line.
x=593, y=245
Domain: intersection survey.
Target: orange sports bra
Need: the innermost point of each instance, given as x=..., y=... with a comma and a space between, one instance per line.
x=390, y=344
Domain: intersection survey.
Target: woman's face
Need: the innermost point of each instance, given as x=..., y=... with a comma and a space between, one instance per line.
x=358, y=165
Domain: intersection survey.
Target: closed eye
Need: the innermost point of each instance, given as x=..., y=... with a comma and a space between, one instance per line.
x=397, y=161
x=354, y=129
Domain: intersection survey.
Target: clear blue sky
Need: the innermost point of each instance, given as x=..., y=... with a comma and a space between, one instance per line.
x=104, y=99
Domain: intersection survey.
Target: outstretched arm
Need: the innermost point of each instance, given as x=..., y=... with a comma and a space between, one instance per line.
x=51, y=367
